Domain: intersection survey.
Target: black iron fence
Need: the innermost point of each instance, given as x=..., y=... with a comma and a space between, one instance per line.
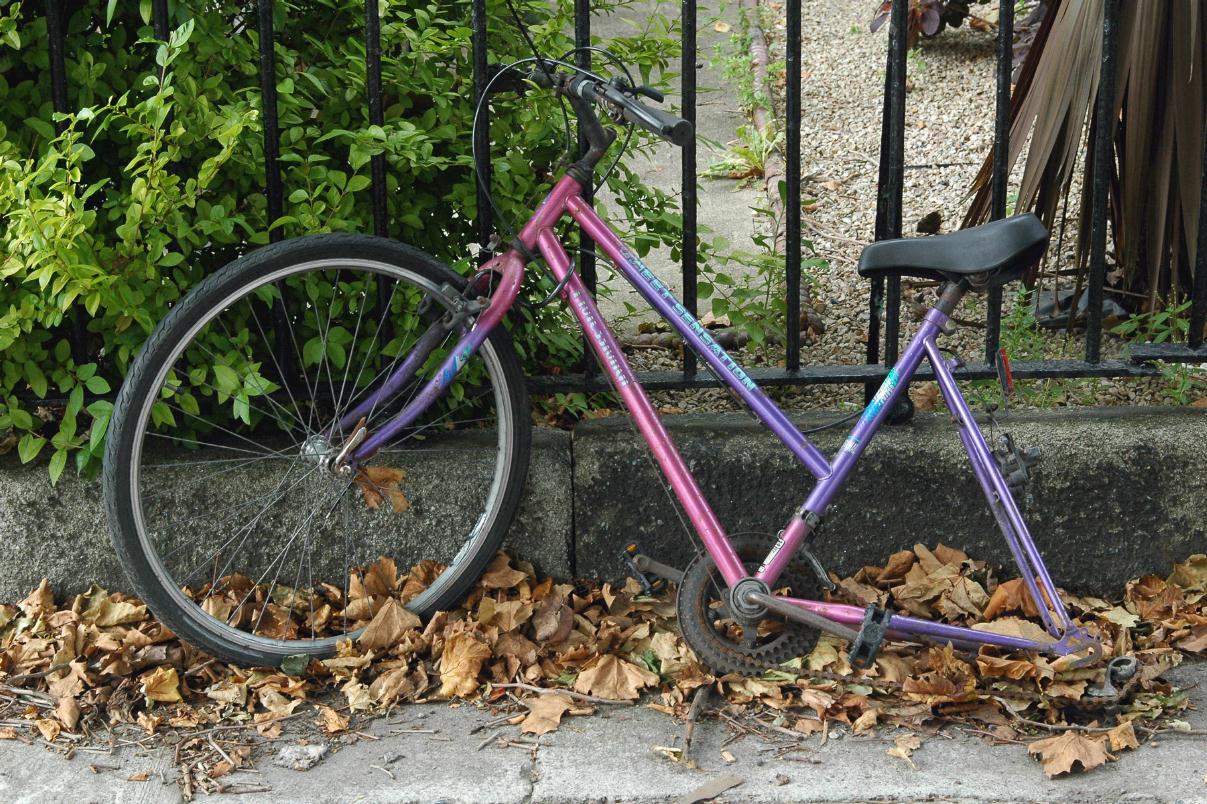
x=883, y=327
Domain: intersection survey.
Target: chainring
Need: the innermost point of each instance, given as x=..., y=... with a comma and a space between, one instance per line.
x=725, y=643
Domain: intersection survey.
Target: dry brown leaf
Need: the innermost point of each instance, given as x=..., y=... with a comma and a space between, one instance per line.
x=1123, y=736
x=274, y=701
x=552, y=622
x=387, y=627
x=162, y=684
x=330, y=721
x=1010, y=595
x=49, y=729
x=500, y=575
x=8, y=733
x=925, y=396
x=379, y=482
x=1061, y=754
x=228, y=692
x=865, y=722
x=904, y=747
x=149, y=722
x=1008, y=668
x=109, y=613
x=68, y=712
x=614, y=678
x=1013, y=626
x=141, y=776
x=358, y=696
x=1196, y=642
x=545, y=713
x=39, y=602
x=511, y=615
x=460, y=663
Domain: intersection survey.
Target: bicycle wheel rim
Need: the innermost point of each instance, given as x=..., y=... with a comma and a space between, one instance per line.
x=423, y=603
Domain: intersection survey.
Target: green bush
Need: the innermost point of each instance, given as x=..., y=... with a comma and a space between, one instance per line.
x=156, y=179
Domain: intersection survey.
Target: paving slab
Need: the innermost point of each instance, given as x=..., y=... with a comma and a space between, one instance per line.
x=34, y=773
x=430, y=753
x=617, y=754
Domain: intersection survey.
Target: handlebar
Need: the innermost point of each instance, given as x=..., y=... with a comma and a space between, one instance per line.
x=619, y=97
x=669, y=127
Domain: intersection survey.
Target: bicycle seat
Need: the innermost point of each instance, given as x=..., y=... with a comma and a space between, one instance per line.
x=1003, y=250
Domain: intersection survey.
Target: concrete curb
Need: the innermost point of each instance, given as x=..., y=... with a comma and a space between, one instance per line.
x=1121, y=492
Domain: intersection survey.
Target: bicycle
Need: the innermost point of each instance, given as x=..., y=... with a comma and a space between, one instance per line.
x=335, y=453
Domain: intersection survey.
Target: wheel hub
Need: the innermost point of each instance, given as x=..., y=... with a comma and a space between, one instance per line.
x=317, y=451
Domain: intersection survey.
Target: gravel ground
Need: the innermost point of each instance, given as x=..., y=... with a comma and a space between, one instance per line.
x=949, y=114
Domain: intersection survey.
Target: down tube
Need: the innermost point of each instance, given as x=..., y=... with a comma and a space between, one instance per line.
x=724, y=366
x=648, y=423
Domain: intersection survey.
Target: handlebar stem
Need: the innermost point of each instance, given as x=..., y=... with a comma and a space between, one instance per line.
x=599, y=139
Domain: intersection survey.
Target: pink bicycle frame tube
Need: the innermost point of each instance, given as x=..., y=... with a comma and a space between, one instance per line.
x=539, y=233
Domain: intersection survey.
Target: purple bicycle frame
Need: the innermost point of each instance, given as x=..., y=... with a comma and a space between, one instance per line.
x=538, y=235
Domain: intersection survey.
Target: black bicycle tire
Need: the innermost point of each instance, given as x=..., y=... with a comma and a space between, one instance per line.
x=118, y=495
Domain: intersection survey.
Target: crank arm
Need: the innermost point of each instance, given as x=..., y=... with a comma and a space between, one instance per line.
x=649, y=565
x=800, y=615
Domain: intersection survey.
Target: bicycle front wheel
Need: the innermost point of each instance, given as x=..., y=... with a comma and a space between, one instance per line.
x=222, y=499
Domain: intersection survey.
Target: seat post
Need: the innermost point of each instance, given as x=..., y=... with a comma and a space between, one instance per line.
x=950, y=296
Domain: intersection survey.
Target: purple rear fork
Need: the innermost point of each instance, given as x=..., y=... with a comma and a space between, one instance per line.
x=539, y=235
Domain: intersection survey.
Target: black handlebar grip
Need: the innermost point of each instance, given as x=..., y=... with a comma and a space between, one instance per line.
x=666, y=125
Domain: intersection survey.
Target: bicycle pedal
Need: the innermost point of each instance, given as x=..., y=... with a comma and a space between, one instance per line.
x=651, y=574
x=864, y=649
x=1118, y=671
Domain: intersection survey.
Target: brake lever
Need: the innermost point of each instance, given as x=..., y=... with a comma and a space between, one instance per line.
x=650, y=92
x=644, y=90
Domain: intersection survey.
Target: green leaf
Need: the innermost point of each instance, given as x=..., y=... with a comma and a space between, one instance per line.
x=97, y=385
x=295, y=665
x=101, y=412
x=37, y=380
x=109, y=9
x=58, y=462
x=226, y=379
x=29, y=446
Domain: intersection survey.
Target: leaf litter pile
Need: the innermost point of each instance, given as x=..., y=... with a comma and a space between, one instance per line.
x=101, y=671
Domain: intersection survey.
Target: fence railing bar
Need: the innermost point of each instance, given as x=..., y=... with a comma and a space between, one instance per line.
x=854, y=374
x=792, y=206
x=274, y=190
x=1104, y=135
x=687, y=156
x=586, y=255
x=159, y=19
x=377, y=162
x=58, y=88
x=892, y=168
x=1198, y=293
x=1001, y=161
x=484, y=223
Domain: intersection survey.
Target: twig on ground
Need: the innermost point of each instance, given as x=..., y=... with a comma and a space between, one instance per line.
x=496, y=734
x=496, y=722
x=699, y=702
x=578, y=696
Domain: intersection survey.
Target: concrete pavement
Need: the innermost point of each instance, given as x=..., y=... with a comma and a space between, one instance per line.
x=612, y=756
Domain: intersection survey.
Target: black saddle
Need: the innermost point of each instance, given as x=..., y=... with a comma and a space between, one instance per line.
x=1001, y=251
